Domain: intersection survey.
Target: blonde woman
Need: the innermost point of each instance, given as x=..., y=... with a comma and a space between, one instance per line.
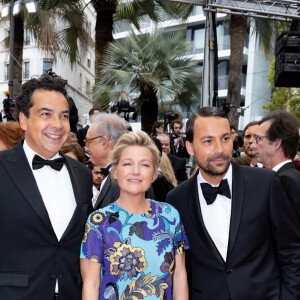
x=136, y=244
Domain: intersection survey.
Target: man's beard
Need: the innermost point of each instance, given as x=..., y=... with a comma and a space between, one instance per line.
x=213, y=170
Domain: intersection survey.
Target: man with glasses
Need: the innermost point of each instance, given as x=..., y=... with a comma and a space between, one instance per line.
x=100, y=140
x=276, y=145
x=249, y=134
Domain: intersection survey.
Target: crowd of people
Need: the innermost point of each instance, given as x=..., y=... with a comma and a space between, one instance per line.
x=105, y=213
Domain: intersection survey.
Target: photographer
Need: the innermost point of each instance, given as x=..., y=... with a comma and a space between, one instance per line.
x=8, y=108
x=177, y=141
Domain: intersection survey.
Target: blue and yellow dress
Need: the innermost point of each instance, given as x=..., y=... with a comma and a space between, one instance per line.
x=136, y=251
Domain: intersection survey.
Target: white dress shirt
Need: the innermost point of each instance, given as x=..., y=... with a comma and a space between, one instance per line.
x=57, y=194
x=96, y=193
x=276, y=168
x=216, y=216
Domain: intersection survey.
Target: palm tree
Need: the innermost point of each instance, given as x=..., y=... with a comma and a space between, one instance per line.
x=109, y=11
x=265, y=31
x=49, y=37
x=155, y=67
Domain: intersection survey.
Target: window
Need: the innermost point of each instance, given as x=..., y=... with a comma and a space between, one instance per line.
x=47, y=66
x=6, y=68
x=26, y=70
x=27, y=37
x=88, y=87
x=88, y=60
x=80, y=81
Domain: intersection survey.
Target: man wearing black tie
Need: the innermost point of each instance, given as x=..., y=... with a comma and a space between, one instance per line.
x=243, y=235
x=45, y=200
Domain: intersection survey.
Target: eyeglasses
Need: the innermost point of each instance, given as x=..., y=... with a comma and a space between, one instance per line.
x=88, y=141
x=259, y=138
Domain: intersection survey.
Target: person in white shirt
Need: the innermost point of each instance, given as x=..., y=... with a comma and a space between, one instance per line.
x=276, y=145
x=45, y=200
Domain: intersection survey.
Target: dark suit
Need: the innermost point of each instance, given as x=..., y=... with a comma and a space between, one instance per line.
x=181, y=151
x=261, y=219
x=81, y=134
x=109, y=193
x=290, y=179
x=31, y=258
x=179, y=167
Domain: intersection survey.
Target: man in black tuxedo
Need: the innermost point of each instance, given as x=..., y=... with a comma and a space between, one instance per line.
x=101, y=138
x=276, y=145
x=81, y=133
x=178, y=163
x=243, y=235
x=45, y=200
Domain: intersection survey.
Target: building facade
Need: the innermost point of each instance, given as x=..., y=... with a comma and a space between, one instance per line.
x=255, y=87
x=80, y=77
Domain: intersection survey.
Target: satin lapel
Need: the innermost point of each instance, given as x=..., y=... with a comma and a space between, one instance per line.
x=77, y=184
x=236, y=204
x=20, y=172
x=196, y=214
x=104, y=191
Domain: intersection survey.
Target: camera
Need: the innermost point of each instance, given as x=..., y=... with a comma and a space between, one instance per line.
x=168, y=118
x=124, y=110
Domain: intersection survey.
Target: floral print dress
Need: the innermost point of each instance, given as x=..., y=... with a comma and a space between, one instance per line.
x=136, y=251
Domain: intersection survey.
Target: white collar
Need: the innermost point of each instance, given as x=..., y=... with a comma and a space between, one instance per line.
x=31, y=153
x=277, y=167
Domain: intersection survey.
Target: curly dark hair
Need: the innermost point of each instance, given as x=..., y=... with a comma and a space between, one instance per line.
x=45, y=82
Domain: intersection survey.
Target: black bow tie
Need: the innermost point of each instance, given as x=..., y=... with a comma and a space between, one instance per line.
x=105, y=171
x=56, y=164
x=210, y=193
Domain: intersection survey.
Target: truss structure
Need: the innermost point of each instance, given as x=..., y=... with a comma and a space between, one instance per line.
x=281, y=10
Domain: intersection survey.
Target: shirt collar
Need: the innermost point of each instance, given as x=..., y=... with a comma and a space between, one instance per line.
x=277, y=167
x=31, y=153
x=227, y=176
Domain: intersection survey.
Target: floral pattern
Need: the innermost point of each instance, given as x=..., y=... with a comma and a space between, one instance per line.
x=136, y=251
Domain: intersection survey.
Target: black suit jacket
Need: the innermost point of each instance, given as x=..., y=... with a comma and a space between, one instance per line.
x=31, y=257
x=109, y=193
x=290, y=179
x=179, y=167
x=263, y=255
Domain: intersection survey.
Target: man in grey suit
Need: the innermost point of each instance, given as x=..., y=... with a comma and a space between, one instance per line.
x=100, y=140
x=276, y=145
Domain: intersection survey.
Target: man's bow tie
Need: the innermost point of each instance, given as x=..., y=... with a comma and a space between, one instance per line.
x=105, y=171
x=56, y=164
x=210, y=193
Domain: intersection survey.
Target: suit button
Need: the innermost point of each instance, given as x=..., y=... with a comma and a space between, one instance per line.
x=53, y=276
x=228, y=271
x=58, y=247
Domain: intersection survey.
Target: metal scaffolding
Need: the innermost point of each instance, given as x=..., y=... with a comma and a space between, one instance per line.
x=281, y=10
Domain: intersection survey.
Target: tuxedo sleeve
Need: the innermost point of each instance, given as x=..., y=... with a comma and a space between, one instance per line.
x=286, y=234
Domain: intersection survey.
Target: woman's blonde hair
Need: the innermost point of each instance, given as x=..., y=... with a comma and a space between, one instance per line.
x=166, y=169
x=138, y=138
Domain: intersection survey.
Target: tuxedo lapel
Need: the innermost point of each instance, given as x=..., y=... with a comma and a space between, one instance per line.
x=196, y=216
x=103, y=191
x=76, y=180
x=236, y=204
x=20, y=172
